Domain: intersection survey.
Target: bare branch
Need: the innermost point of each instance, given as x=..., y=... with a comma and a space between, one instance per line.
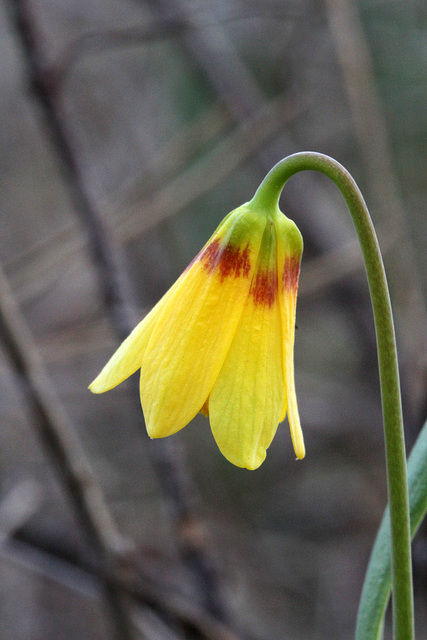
x=371, y=133
x=58, y=436
x=142, y=588
x=167, y=26
x=118, y=300
x=178, y=194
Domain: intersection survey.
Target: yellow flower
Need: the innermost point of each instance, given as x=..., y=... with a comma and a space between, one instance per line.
x=221, y=340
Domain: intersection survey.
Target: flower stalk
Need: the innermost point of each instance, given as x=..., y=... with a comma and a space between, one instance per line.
x=268, y=195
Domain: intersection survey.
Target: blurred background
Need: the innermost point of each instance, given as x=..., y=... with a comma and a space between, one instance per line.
x=129, y=128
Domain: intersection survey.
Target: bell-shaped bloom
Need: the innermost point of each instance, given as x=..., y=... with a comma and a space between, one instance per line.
x=221, y=340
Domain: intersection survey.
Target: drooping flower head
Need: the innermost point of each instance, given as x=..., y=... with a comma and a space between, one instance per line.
x=221, y=340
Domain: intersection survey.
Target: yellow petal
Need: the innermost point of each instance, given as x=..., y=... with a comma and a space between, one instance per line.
x=128, y=357
x=247, y=397
x=288, y=258
x=194, y=329
x=292, y=407
x=126, y=360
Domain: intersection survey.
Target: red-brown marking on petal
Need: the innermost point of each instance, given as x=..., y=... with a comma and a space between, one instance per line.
x=229, y=261
x=291, y=270
x=264, y=287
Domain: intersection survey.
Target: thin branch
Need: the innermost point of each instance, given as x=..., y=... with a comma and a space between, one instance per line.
x=36, y=269
x=60, y=440
x=105, y=250
x=167, y=26
x=178, y=151
x=178, y=194
x=175, y=196
x=238, y=89
x=334, y=266
x=370, y=128
x=106, y=40
x=142, y=588
x=17, y=507
x=118, y=300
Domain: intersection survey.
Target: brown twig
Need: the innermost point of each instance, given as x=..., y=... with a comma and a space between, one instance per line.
x=167, y=26
x=179, y=193
x=370, y=128
x=105, y=251
x=238, y=89
x=58, y=436
x=162, y=599
x=106, y=40
x=167, y=456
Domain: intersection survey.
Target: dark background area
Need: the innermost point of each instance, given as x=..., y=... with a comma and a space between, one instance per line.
x=129, y=129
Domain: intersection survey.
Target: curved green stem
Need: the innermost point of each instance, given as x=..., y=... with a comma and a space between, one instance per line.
x=268, y=195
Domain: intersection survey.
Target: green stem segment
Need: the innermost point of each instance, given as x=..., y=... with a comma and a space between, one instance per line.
x=267, y=196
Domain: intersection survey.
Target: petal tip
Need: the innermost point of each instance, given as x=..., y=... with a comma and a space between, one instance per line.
x=299, y=447
x=249, y=461
x=252, y=466
x=96, y=387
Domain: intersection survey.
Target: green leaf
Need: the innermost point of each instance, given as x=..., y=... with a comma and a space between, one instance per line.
x=377, y=586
